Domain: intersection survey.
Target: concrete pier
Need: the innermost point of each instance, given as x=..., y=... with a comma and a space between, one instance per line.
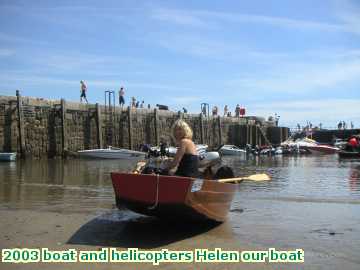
x=48, y=128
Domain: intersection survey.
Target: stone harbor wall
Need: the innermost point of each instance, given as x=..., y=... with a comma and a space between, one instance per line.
x=49, y=128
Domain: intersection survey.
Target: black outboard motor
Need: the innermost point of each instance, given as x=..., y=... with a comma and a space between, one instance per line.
x=224, y=172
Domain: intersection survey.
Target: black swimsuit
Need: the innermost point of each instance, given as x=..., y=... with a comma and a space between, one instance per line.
x=188, y=166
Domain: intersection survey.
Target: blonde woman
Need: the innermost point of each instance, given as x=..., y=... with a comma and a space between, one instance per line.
x=186, y=158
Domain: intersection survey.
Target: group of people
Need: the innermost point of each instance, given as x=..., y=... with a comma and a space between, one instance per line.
x=134, y=103
x=137, y=104
x=309, y=126
x=239, y=111
x=343, y=125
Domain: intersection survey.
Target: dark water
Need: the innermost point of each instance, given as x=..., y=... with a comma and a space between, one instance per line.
x=312, y=202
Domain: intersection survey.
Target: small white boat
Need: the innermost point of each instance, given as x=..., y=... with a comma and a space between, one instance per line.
x=8, y=156
x=233, y=150
x=278, y=151
x=112, y=153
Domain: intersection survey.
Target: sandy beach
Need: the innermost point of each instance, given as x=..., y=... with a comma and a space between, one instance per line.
x=62, y=231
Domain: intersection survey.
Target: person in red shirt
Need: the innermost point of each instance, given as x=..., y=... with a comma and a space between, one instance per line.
x=353, y=143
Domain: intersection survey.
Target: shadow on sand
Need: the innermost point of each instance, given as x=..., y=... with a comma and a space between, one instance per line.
x=127, y=229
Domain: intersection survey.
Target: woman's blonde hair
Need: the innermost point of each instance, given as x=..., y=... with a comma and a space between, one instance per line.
x=184, y=127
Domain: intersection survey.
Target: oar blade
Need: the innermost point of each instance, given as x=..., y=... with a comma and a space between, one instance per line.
x=258, y=177
x=253, y=177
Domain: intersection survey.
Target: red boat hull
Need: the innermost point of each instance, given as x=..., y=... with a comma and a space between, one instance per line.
x=172, y=197
x=348, y=154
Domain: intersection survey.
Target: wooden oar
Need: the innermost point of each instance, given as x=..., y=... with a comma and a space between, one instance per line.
x=253, y=177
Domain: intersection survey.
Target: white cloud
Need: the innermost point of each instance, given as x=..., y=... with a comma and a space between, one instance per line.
x=348, y=12
x=204, y=18
x=275, y=21
x=198, y=46
x=6, y=52
x=184, y=100
x=15, y=39
x=178, y=17
x=14, y=79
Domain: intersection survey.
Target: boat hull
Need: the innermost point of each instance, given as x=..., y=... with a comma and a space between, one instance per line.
x=232, y=152
x=172, y=197
x=348, y=154
x=322, y=149
x=112, y=154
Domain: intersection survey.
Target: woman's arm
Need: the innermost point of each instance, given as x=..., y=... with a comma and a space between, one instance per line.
x=179, y=154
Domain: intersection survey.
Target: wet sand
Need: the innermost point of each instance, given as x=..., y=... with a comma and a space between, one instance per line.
x=61, y=231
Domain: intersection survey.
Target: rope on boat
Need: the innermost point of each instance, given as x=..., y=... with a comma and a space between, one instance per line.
x=157, y=194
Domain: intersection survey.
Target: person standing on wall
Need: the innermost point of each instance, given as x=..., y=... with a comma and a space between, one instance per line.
x=121, y=97
x=133, y=102
x=226, y=110
x=215, y=111
x=83, y=89
x=237, y=110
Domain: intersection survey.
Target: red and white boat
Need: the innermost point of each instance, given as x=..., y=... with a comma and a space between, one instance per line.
x=312, y=146
x=322, y=149
x=173, y=197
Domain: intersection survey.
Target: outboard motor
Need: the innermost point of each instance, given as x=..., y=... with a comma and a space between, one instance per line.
x=163, y=151
x=224, y=172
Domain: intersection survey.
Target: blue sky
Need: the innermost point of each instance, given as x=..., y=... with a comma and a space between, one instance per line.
x=299, y=59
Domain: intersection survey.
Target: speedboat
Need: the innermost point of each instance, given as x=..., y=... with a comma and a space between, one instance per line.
x=312, y=146
x=112, y=153
x=233, y=150
x=322, y=149
x=8, y=156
